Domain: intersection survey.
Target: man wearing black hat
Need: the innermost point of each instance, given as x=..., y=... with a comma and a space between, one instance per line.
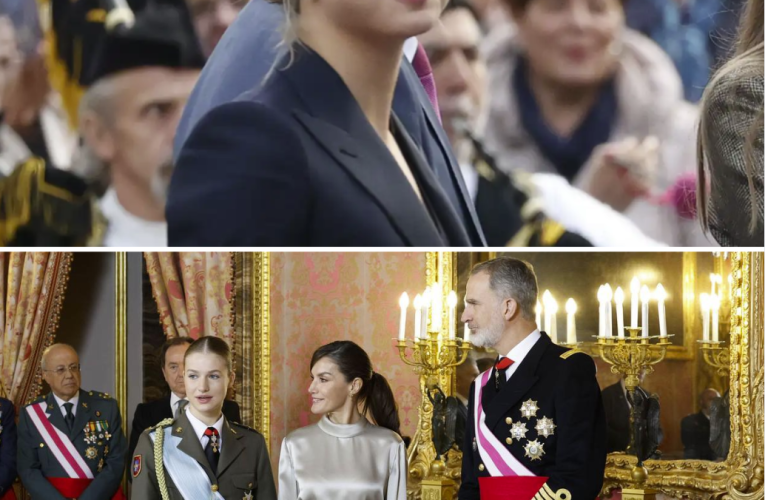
x=129, y=115
x=138, y=77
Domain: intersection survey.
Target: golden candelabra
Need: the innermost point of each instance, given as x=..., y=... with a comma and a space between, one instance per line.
x=632, y=356
x=716, y=356
x=433, y=357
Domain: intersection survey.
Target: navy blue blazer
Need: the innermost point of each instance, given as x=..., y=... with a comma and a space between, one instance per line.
x=7, y=446
x=295, y=163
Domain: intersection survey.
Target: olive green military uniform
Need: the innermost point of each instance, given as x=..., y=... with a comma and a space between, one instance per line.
x=96, y=435
x=244, y=469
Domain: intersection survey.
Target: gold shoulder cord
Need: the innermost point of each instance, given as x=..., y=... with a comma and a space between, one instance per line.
x=159, y=464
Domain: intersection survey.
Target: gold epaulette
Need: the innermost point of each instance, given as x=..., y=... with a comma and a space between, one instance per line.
x=547, y=493
x=570, y=353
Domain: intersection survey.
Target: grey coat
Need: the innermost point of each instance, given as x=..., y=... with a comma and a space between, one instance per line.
x=733, y=106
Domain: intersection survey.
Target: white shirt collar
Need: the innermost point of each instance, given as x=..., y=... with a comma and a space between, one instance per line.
x=173, y=400
x=410, y=48
x=520, y=351
x=60, y=402
x=127, y=230
x=200, y=428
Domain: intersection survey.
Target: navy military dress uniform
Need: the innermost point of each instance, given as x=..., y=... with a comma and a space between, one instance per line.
x=96, y=435
x=7, y=448
x=549, y=416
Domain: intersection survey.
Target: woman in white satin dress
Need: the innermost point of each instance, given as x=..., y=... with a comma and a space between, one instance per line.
x=344, y=456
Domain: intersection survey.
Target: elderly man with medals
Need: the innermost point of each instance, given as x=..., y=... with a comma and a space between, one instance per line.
x=70, y=442
x=536, y=426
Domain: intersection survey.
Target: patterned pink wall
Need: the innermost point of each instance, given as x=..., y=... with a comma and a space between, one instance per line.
x=320, y=297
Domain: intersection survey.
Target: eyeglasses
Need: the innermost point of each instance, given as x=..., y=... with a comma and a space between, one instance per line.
x=61, y=371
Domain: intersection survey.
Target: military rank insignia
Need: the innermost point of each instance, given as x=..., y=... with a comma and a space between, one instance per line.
x=529, y=409
x=534, y=450
x=136, y=468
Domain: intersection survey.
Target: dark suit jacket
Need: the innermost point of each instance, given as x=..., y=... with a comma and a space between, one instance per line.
x=296, y=163
x=694, y=431
x=151, y=413
x=7, y=445
x=618, y=416
x=566, y=391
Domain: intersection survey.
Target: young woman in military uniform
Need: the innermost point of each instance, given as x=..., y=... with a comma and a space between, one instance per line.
x=199, y=454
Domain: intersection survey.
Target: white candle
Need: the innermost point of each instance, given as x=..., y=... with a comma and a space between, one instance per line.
x=546, y=298
x=554, y=320
x=608, y=295
x=705, y=308
x=538, y=311
x=715, y=318
x=417, y=317
x=601, y=312
x=570, y=322
x=425, y=310
x=645, y=297
x=436, y=308
x=634, y=291
x=466, y=334
x=403, y=302
x=661, y=296
x=619, y=299
x=452, y=302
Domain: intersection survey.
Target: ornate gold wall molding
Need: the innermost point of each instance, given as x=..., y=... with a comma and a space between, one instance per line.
x=740, y=476
x=120, y=333
x=253, y=322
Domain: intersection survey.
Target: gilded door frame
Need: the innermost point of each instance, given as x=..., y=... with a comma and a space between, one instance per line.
x=253, y=327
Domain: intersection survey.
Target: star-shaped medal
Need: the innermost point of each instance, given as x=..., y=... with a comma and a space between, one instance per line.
x=545, y=427
x=518, y=430
x=534, y=450
x=247, y=495
x=529, y=409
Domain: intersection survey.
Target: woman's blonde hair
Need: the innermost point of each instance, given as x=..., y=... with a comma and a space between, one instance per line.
x=747, y=63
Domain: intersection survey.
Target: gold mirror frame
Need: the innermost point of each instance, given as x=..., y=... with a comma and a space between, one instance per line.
x=740, y=476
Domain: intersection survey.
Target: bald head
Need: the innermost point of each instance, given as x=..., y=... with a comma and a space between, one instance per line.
x=61, y=370
x=706, y=399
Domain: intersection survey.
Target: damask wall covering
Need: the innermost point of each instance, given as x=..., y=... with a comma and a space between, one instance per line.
x=320, y=297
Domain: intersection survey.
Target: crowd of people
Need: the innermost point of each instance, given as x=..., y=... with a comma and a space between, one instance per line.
x=510, y=122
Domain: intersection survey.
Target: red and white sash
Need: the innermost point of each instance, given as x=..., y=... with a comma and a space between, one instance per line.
x=58, y=442
x=496, y=457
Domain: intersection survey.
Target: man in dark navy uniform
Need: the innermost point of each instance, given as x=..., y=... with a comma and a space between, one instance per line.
x=7, y=449
x=539, y=408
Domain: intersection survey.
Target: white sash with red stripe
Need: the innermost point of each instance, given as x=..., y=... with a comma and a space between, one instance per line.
x=58, y=442
x=496, y=457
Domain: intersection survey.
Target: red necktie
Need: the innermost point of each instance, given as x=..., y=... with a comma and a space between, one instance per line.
x=500, y=369
x=425, y=73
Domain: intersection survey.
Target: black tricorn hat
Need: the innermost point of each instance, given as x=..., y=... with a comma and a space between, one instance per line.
x=162, y=35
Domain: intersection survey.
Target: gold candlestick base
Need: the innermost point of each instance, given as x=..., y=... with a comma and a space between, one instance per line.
x=437, y=486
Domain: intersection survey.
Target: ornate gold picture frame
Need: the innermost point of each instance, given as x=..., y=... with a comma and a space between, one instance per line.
x=740, y=476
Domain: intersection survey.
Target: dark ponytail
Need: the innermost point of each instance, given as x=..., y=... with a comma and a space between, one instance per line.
x=376, y=394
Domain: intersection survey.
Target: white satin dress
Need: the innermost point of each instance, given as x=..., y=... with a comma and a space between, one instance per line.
x=358, y=461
